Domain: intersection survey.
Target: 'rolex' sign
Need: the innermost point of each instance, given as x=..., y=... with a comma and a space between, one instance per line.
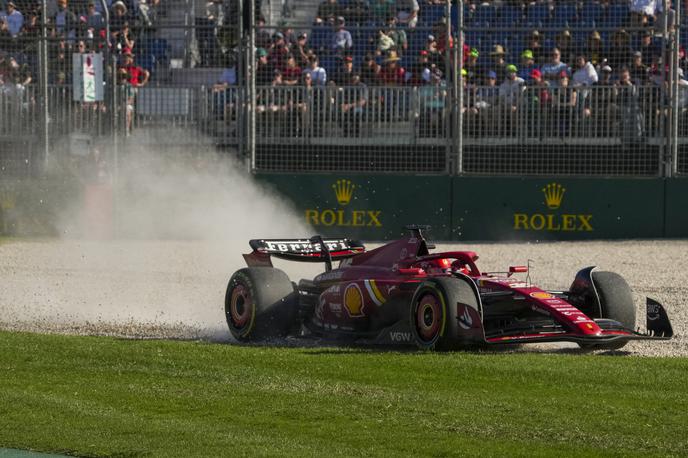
x=553, y=220
x=343, y=191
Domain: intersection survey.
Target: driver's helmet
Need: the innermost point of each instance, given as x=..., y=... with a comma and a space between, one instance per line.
x=441, y=264
x=460, y=266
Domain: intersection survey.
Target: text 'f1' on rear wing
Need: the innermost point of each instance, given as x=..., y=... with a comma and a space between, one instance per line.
x=315, y=249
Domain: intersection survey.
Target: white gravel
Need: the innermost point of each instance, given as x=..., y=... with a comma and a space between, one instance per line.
x=175, y=289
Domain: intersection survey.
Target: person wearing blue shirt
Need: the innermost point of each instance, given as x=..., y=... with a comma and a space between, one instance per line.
x=94, y=20
x=15, y=20
x=342, y=41
x=527, y=65
x=552, y=69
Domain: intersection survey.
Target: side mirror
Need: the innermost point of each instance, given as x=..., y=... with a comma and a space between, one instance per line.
x=518, y=269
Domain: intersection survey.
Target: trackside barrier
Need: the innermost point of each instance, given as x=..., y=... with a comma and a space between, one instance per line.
x=557, y=209
x=39, y=207
x=676, y=208
x=376, y=207
x=370, y=207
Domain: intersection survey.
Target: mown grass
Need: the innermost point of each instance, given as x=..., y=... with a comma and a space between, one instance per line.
x=107, y=397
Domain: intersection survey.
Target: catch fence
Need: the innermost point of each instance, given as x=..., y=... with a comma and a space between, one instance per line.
x=383, y=95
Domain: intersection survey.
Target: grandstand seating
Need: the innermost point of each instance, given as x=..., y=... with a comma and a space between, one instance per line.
x=485, y=16
x=537, y=15
x=509, y=15
x=591, y=14
x=430, y=14
x=563, y=15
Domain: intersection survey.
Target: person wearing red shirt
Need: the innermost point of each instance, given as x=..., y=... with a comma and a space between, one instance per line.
x=131, y=78
x=136, y=76
x=291, y=73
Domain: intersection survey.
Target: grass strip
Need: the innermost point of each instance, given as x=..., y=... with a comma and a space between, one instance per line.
x=97, y=396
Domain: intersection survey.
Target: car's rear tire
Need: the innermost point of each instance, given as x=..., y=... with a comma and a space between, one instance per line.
x=616, y=303
x=433, y=313
x=260, y=303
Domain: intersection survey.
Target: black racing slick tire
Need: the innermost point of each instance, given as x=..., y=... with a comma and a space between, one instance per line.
x=260, y=303
x=616, y=298
x=616, y=303
x=433, y=313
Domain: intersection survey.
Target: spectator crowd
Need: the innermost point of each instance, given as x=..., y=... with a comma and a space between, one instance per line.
x=534, y=56
x=72, y=27
x=566, y=60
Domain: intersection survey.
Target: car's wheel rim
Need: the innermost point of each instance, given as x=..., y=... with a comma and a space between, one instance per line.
x=428, y=317
x=240, y=306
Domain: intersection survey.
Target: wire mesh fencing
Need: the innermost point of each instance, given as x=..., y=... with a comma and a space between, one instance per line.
x=566, y=87
x=383, y=129
x=600, y=130
x=585, y=87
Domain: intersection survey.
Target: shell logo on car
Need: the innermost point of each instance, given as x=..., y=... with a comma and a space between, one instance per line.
x=353, y=300
x=344, y=217
x=553, y=221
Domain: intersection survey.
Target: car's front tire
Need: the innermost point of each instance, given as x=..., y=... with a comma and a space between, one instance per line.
x=616, y=303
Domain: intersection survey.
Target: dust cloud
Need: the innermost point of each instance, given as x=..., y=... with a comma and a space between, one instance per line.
x=182, y=221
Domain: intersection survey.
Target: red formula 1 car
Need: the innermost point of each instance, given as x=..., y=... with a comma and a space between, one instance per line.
x=401, y=293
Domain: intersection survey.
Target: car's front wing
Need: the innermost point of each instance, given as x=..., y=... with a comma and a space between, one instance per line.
x=657, y=323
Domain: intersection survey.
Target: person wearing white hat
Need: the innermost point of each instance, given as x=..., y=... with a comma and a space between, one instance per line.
x=117, y=18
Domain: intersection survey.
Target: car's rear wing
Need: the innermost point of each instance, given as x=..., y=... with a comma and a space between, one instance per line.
x=315, y=249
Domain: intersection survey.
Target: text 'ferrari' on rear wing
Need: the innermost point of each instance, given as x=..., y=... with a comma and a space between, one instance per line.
x=305, y=250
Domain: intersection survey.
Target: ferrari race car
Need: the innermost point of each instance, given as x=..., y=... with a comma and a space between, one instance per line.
x=402, y=294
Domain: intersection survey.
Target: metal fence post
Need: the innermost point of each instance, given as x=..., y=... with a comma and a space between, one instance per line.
x=458, y=87
x=664, y=107
x=44, y=63
x=115, y=120
x=241, y=61
x=672, y=169
x=251, y=89
x=450, y=133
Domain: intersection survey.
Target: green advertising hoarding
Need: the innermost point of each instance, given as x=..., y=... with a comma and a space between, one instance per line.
x=377, y=207
x=556, y=209
x=370, y=207
x=677, y=207
x=37, y=207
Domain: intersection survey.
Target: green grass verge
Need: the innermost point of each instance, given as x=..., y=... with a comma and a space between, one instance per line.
x=99, y=396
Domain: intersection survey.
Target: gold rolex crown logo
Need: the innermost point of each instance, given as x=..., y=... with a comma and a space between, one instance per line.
x=554, y=194
x=7, y=199
x=343, y=189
